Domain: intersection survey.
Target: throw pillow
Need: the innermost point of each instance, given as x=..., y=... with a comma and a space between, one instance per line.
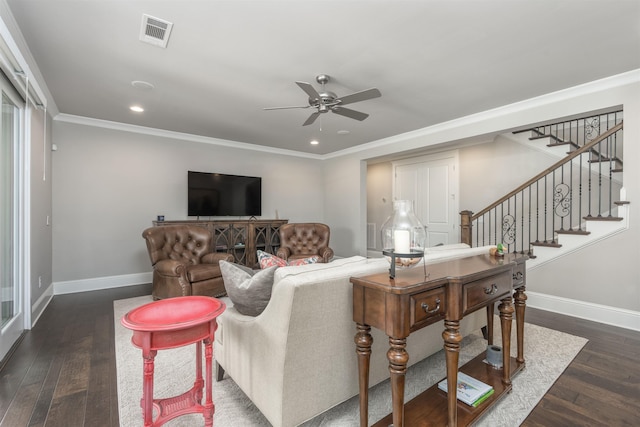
x=304, y=261
x=249, y=290
x=268, y=260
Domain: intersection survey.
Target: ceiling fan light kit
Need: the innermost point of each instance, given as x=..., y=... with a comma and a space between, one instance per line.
x=325, y=101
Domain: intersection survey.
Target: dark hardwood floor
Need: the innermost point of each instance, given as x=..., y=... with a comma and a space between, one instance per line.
x=63, y=372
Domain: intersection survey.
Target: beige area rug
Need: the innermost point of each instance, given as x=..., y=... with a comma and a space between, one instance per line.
x=547, y=352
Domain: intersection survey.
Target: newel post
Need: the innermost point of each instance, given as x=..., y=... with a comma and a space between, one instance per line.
x=466, y=227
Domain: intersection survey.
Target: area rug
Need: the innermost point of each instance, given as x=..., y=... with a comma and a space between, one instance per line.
x=547, y=353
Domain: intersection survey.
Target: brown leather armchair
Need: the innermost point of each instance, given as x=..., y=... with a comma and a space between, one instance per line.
x=303, y=240
x=183, y=262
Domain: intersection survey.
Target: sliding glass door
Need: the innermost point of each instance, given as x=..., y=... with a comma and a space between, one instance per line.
x=11, y=290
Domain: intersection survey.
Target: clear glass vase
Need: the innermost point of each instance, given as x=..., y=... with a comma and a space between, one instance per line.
x=403, y=236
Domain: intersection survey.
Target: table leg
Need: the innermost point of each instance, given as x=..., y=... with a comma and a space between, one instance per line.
x=398, y=358
x=490, y=313
x=506, y=317
x=197, y=385
x=520, y=301
x=452, y=338
x=209, y=408
x=147, y=386
x=363, y=340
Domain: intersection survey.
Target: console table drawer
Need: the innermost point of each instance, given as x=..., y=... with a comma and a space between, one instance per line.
x=427, y=307
x=478, y=293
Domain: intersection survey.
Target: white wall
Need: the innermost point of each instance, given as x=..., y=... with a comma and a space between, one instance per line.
x=110, y=184
x=584, y=275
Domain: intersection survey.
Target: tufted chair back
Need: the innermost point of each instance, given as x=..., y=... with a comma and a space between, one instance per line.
x=302, y=240
x=178, y=242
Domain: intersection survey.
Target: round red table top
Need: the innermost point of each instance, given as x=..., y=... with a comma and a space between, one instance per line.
x=173, y=313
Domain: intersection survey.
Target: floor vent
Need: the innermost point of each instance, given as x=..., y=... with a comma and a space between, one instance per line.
x=155, y=31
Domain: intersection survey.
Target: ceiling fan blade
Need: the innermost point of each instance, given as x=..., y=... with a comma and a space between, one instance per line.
x=313, y=94
x=360, y=96
x=286, y=108
x=352, y=114
x=312, y=118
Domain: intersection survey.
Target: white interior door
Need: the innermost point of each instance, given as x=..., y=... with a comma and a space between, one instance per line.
x=432, y=183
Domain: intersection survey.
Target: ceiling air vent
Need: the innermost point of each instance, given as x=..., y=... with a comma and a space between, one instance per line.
x=155, y=31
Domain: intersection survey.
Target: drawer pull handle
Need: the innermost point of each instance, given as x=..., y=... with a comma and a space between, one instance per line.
x=518, y=275
x=425, y=307
x=492, y=290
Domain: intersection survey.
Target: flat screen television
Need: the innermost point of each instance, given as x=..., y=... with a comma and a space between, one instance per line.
x=215, y=194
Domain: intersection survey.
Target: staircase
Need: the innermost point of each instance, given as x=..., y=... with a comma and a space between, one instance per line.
x=577, y=201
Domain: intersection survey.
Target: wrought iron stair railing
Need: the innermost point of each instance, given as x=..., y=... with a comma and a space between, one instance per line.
x=579, y=187
x=575, y=133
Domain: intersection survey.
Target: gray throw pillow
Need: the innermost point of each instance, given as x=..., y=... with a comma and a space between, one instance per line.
x=249, y=290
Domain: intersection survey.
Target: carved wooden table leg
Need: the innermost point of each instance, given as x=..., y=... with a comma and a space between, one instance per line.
x=506, y=317
x=148, y=357
x=199, y=382
x=452, y=338
x=490, y=313
x=363, y=340
x=520, y=302
x=398, y=358
x=209, y=408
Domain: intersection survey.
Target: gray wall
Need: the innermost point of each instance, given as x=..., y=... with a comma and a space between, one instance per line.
x=379, y=198
x=41, y=177
x=110, y=184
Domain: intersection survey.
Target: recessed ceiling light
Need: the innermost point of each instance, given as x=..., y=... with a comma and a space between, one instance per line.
x=136, y=108
x=344, y=132
x=139, y=84
x=314, y=142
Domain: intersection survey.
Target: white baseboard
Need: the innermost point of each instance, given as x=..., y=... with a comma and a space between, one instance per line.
x=41, y=304
x=97, y=283
x=620, y=317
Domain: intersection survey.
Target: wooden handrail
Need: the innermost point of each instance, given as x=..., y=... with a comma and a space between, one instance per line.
x=550, y=169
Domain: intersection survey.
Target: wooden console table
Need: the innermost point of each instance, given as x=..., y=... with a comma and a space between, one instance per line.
x=412, y=301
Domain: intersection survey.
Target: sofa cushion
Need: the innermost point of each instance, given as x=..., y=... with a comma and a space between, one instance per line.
x=249, y=290
x=268, y=260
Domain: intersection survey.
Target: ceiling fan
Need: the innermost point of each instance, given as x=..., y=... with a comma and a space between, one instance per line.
x=325, y=101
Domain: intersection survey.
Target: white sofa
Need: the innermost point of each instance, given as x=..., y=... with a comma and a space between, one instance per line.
x=297, y=358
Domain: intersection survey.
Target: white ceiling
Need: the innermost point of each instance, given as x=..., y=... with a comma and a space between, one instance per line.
x=433, y=61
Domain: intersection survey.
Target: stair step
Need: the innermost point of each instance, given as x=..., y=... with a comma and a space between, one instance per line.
x=574, y=232
x=571, y=144
x=606, y=160
x=602, y=218
x=555, y=138
x=551, y=244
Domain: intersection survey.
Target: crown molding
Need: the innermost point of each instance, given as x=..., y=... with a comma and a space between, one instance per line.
x=106, y=124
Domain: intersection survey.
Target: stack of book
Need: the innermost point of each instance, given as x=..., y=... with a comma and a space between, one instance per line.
x=470, y=390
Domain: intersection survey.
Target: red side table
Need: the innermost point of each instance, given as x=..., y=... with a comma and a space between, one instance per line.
x=171, y=323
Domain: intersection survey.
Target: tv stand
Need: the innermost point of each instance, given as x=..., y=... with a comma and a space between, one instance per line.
x=241, y=238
